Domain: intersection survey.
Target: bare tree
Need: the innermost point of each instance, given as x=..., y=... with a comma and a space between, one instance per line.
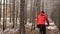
x=38, y=6
x=13, y=14
x=33, y=14
x=10, y=10
x=22, y=27
x=25, y=12
x=4, y=15
x=0, y=10
x=6, y=11
x=16, y=11
x=16, y=15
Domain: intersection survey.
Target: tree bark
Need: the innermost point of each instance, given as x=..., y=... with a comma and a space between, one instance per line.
x=33, y=15
x=25, y=12
x=0, y=11
x=4, y=15
x=38, y=6
x=13, y=14
x=22, y=26
x=10, y=11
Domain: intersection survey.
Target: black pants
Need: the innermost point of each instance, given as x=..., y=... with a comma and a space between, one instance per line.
x=42, y=29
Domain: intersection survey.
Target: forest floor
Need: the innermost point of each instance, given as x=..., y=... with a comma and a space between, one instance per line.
x=52, y=29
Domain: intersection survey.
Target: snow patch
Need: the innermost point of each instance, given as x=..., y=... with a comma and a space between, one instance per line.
x=51, y=27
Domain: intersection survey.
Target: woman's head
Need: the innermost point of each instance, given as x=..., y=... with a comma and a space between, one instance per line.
x=42, y=12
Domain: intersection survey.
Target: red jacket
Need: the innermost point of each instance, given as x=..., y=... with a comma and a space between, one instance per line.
x=42, y=18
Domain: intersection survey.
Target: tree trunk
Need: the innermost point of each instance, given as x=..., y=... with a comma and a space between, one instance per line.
x=17, y=7
x=25, y=12
x=10, y=11
x=13, y=14
x=0, y=11
x=22, y=26
x=4, y=15
x=38, y=6
x=33, y=14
